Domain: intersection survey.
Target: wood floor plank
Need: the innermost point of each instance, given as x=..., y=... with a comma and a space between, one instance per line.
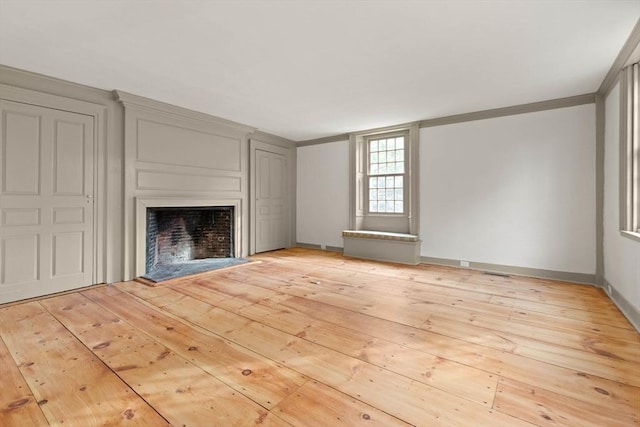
x=306, y=337
x=571, y=382
x=18, y=406
x=71, y=385
x=260, y=379
x=609, y=317
x=413, y=402
x=430, y=369
x=181, y=392
x=315, y=404
x=613, y=359
x=544, y=408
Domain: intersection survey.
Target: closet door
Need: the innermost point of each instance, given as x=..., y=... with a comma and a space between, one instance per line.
x=270, y=201
x=46, y=200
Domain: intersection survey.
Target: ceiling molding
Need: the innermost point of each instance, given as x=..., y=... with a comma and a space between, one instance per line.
x=552, y=104
x=571, y=101
x=325, y=140
x=629, y=47
x=270, y=138
x=130, y=100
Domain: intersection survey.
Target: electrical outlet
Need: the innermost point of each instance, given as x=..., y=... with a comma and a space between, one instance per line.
x=464, y=263
x=609, y=289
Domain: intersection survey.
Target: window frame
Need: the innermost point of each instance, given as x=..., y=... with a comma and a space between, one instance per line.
x=368, y=175
x=359, y=216
x=630, y=151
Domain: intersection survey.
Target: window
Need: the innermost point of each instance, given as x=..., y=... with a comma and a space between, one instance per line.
x=630, y=146
x=384, y=177
x=386, y=174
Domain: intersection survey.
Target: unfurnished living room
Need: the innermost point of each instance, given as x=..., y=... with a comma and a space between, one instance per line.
x=320, y=213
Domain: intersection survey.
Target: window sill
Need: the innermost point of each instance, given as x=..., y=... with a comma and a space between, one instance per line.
x=630, y=235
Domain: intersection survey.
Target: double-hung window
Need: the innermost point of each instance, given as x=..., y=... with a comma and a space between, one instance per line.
x=384, y=179
x=386, y=174
x=630, y=146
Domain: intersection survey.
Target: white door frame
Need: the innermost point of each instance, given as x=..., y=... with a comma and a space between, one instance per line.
x=99, y=114
x=254, y=145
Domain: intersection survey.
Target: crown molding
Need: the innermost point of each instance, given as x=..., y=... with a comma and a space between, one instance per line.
x=325, y=140
x=629, y=48
x=130, y=100
x=270, y=138
x=551, y=104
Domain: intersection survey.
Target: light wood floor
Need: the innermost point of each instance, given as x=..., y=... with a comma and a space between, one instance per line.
x=309, y=338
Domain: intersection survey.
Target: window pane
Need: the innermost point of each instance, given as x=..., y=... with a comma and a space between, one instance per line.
x=389, y=194
x=381, y=194
x=400, y=143
x=373, y=206
x=391, y=144
x=389, y=183
x=399, y=156
x=389, y=207
x=373, y=146
x=398, y=207
x=373, y=182
x=382, y=157
x=400, y=168
x=399, y=194
x=382, y=145
x=374, y=169
x=398, y=182
x=381, y=181
x=380, y=207
x=383, y=168
x=374, y=157
x=373, y=194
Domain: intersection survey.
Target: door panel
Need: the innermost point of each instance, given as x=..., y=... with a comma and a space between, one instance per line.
x=270, y=201
x=46, y=201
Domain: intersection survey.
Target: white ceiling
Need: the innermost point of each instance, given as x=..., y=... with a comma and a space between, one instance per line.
x=308, y=69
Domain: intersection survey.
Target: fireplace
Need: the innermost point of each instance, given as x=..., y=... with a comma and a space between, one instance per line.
x=179, y=234
x=171, y=231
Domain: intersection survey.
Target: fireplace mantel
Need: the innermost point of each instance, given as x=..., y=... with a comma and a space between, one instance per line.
x=142, y=203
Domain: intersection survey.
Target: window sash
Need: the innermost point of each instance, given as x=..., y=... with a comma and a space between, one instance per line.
x=369, y=174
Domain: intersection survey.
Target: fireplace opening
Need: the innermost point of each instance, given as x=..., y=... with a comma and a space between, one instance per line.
x=186, y=240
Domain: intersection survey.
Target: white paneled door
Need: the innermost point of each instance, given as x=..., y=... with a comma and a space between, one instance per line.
x=46, y=201
x=270, y=201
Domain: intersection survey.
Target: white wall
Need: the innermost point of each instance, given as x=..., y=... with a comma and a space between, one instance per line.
x=516, y=190
x=621, y=254
x=323, y=193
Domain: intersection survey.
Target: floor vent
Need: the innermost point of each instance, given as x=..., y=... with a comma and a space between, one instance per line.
x=490, y=273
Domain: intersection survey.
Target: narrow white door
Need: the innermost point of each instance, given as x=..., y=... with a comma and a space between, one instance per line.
x=270, y=201
x=46, y=201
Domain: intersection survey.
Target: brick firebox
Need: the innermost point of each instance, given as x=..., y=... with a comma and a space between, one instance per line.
x=178, y=234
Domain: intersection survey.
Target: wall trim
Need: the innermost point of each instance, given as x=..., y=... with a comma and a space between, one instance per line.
x=308, y=245
x=142, y=103
x=325, y=140
x=334, y=249
x=581, y=278
x=600, y=148
x=628, y=310
x=551, y=104
x=272, y=139
x=629, y=49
